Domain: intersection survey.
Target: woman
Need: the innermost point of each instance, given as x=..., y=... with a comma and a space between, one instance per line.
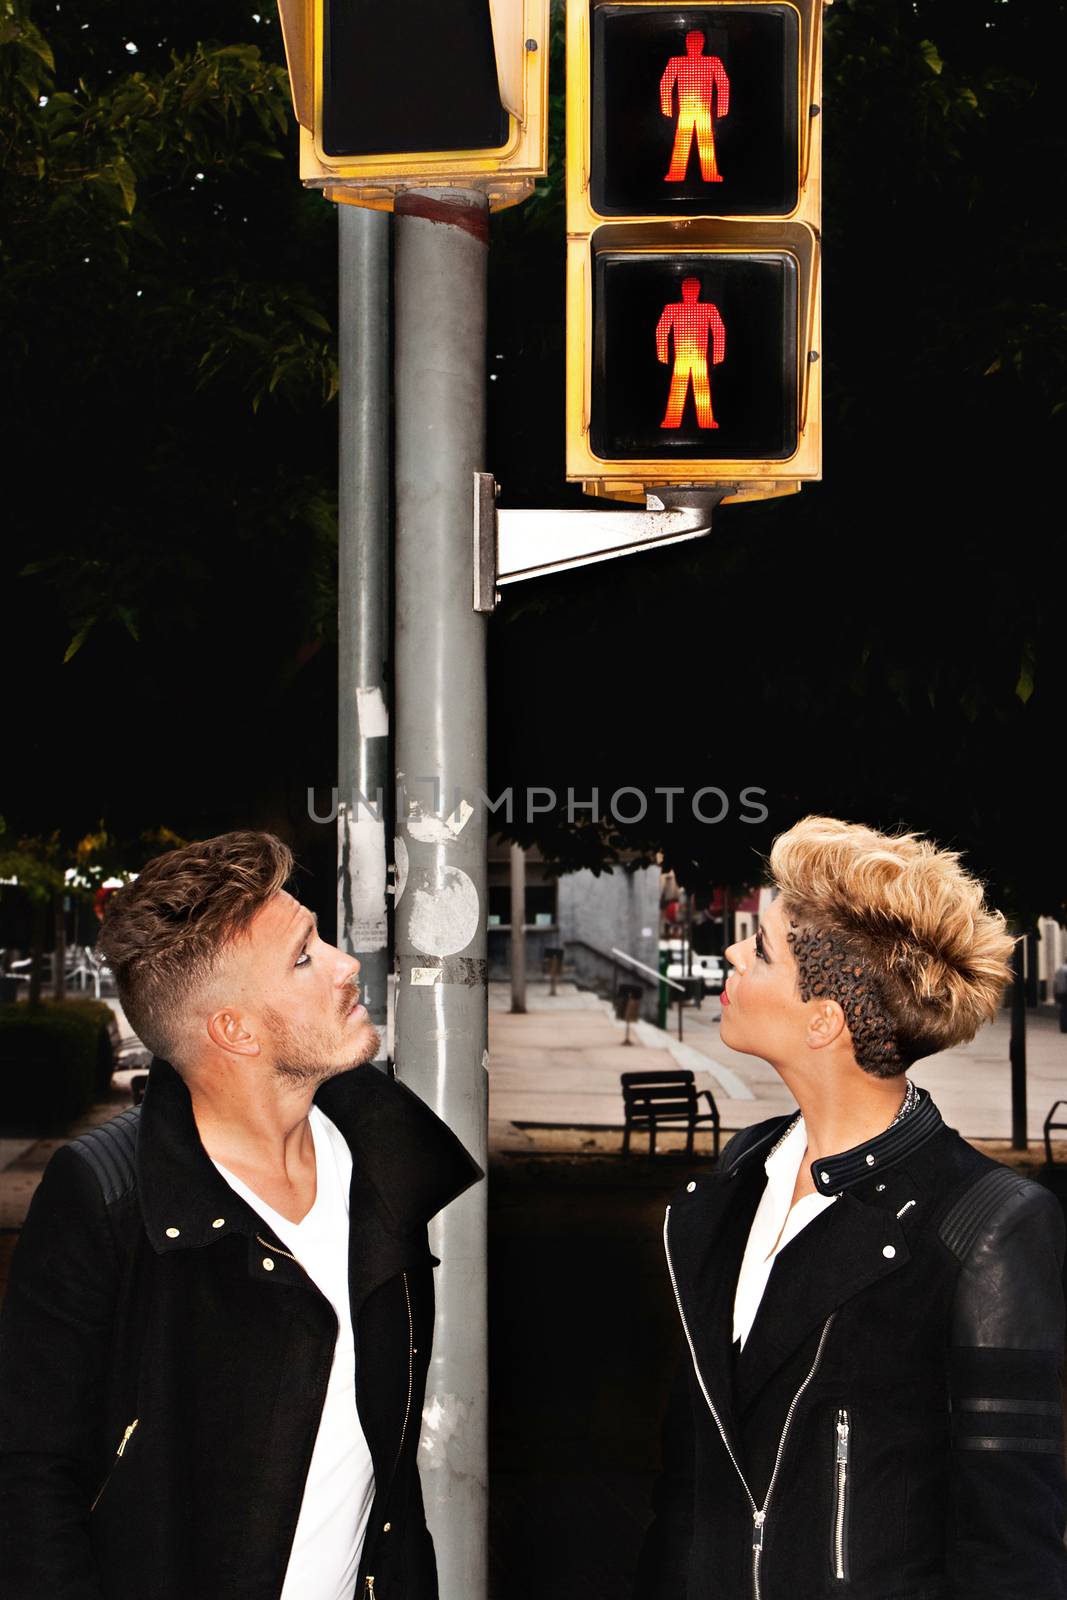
x=870, y=1403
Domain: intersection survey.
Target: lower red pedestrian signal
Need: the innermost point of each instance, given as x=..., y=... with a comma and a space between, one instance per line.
x=724, y=325
x=690, y=321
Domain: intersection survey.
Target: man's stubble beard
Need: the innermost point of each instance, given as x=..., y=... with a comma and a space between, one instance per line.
x=299, y=1052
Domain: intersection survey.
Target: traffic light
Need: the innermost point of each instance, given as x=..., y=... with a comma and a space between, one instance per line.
x=693, y=212
x=419, y=93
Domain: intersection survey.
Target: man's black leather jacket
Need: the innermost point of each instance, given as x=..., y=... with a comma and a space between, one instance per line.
x=164, y=1359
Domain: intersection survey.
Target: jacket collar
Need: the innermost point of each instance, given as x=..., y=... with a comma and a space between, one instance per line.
x=406, y=1162
x=835, y=1174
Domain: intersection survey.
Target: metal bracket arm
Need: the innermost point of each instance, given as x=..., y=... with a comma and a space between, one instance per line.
x=511, y=546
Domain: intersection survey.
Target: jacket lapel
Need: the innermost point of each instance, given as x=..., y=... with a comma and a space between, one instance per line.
x=706, y=1232
x=839, y=1253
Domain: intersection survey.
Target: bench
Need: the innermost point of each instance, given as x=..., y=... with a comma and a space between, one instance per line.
x=656, y=1100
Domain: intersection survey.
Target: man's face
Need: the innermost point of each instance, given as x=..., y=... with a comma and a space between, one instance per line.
x=300, y=997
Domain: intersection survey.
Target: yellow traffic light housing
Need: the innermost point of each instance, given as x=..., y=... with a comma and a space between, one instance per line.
x=424, y=94
x=693, y=210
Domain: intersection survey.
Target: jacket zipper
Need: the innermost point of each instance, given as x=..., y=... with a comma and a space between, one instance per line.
x=369, y=1592
x=411, y=1370
x=277, y=1251
x=759, y=1513
x=119, y=1453
x=843, y=1428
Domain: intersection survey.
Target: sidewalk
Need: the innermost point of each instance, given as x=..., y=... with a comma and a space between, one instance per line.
x=556, y=1069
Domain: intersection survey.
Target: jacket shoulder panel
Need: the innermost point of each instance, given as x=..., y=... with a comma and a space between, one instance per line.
x=111, y=1153
x=1008, y=1235
x=974, y=1209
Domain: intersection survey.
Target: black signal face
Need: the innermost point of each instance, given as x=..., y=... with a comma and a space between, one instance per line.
x=694, y=356
x=695, y=110
x=409, y=77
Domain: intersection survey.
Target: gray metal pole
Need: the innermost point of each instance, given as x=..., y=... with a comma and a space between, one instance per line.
x=364, y=777
x=518, y=928
x=442, y=875
x=1017, y=1048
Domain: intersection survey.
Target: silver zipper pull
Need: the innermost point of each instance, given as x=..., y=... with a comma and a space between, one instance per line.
x=842, y=1438
x=758, y=1519
x=368, y=1587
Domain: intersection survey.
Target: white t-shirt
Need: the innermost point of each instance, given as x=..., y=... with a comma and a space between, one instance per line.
x=774, y=1217
x=324, y=1560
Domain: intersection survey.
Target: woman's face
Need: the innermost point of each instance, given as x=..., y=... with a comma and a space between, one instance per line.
x=762, y=1012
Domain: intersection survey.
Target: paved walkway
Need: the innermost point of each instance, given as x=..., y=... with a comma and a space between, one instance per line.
x=557, y=1068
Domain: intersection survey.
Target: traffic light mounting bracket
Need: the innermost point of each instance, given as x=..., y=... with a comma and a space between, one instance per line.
x=513, y=545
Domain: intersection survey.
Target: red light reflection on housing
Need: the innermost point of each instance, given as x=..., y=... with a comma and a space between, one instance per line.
x=691, y=320
x=701, y=80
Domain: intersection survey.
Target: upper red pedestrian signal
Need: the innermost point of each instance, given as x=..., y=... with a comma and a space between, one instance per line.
x=700, y=85
x=695, y=111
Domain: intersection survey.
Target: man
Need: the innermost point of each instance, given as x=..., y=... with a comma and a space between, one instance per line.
x=214, y=1346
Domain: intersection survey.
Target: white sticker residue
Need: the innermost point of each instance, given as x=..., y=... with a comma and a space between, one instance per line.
x=426, y=826
x=424, y=976
x=362, y=897
x=400, y=873
x=444, y=917
x=371, y=715
x=460, y=817
x=445, y=1440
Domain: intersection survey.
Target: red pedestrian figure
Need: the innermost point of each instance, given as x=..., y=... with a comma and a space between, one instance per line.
x=691, y=320
x=700, y=80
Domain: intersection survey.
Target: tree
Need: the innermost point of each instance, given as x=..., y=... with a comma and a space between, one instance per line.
x=171, y=371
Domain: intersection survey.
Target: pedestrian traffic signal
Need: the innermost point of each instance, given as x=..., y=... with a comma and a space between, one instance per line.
x=693, y=209
x=419, y=94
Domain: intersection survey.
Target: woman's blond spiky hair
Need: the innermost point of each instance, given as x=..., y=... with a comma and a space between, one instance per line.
x=907, y=912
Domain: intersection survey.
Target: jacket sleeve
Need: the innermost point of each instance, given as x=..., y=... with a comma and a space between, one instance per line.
x=663, y=1566
x=1009, y=1496
x=55, y=1334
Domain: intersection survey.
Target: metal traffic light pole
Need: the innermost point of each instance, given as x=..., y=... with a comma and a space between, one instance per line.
x=442, y=872
x=364, y=775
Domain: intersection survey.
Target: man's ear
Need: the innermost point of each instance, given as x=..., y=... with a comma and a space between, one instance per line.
x=227, y=1031
x=826, y=1023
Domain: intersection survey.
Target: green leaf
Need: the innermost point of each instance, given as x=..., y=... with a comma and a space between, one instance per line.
x=929, y=52
x=78, y=640
x=1024, y=688
x=126, y=179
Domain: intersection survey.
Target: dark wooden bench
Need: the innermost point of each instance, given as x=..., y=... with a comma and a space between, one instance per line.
x=666, y=1100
